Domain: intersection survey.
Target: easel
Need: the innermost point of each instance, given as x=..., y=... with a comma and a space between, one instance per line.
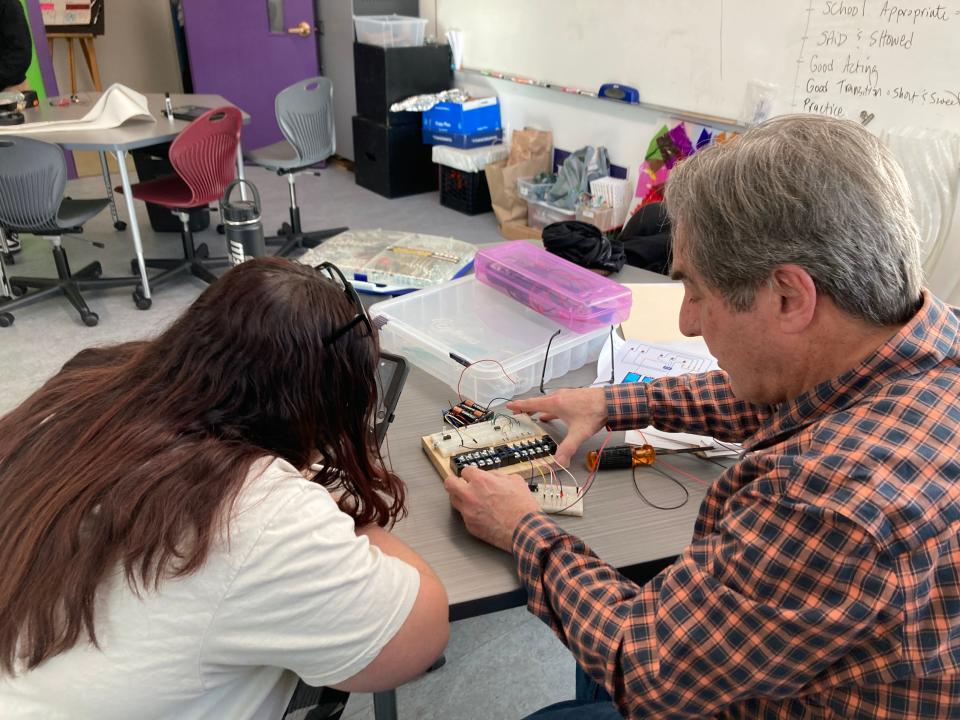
x=89, y=54
x=84, y=33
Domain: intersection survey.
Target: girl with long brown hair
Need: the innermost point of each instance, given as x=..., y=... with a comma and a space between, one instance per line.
x=166, y=549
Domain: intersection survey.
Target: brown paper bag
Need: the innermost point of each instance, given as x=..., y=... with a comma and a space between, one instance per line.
x=529, y=143
x=502, y=181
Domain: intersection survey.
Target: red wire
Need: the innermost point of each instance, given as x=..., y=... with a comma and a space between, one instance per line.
x=673, y=467
x=685, y=474
x=477, y=362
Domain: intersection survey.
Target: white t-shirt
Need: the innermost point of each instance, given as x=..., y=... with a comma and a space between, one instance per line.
x=293, y=592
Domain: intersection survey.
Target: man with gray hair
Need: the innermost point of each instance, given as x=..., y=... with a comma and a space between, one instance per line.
x=823, y=577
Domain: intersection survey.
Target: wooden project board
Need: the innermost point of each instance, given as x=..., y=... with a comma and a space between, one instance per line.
x=553, y=497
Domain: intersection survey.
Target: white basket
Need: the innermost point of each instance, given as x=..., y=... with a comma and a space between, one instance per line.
x=614, y=191
x=390, y=30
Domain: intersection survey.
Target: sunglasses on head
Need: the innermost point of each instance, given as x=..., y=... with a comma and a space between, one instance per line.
x=333, y=273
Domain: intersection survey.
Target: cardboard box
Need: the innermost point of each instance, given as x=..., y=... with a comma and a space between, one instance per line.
x=481, y=115
x=461, y=140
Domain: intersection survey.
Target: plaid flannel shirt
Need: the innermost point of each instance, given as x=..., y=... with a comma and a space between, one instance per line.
x=823, y=578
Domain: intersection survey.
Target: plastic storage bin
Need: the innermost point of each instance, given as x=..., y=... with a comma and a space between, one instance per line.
x=558, y=289
x=443, y=330
x=603, y=218
x=466, y=192
x=390, y=30
x=529, y=190
x=541, y=214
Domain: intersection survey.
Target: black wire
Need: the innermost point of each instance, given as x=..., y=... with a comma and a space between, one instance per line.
x=686, y=493
x=487, y=408
x=510, y=418
x=731, y=447
x=546, y=356
x=613, y=378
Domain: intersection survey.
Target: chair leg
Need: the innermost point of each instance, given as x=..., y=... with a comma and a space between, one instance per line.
x=199, y=271
x=31, y=298
x=5, y=289
x=5, y=255
x=88, y=272
x=316, y=237
x=39, y=283
x=297, y=238
x=196, y=258
x=67, y=283
x=161, y=263
x=72, y=292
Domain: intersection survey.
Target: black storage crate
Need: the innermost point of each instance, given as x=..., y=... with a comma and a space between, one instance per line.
x=392, y=161
x=465, y=192
x=387, y=75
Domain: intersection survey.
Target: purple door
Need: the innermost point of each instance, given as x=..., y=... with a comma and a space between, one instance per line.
x=248, y=52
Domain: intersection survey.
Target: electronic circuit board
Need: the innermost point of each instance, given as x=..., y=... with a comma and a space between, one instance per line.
x=512, y=444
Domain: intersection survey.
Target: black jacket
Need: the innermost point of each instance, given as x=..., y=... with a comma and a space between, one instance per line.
x=16, y=47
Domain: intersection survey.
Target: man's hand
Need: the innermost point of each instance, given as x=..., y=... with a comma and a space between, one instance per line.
x=584, y=410
x=492, y=504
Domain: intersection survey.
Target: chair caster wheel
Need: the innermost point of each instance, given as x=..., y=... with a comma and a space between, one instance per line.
x=142, y=303
x=18, y=290
x=90, y=319
x=221, y=230
x=6, y=319
x=8, y=259
x=284, y=229
x=97, y=269
x=120, y=225
x=134, y=267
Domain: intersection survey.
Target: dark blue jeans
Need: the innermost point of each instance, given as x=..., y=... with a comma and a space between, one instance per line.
x=592, y=703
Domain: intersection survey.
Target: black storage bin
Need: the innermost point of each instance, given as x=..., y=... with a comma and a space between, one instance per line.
x=151, y=163
x=392, y=161
x=465, y=192
x=387, y=75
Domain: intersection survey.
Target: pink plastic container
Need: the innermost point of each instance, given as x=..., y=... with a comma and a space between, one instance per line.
x=566, y=293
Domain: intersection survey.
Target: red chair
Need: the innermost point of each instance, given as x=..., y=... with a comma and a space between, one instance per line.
x=204, y=157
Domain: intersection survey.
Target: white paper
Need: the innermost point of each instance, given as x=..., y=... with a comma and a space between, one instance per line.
x=645, y=360
x=117, y=105
x=635, y=361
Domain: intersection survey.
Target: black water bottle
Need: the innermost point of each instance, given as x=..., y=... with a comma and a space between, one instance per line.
x=241, y=224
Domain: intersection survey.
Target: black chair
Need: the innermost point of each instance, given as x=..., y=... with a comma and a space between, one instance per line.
x=33, y=178
x=315, y=703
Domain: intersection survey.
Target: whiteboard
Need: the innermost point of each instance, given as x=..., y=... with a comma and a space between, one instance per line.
x=896, y=60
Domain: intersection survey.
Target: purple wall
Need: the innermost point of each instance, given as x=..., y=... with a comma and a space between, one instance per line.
x=39, y=33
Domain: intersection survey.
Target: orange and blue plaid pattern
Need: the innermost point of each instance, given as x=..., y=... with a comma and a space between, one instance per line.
x=823, y=578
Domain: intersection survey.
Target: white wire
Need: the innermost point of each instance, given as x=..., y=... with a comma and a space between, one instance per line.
x=575, y=483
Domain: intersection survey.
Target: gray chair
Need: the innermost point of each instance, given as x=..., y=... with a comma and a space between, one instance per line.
x=305, y=116
x=33, y=177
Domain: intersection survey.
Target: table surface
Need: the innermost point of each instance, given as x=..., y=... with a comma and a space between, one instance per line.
x=131, y=135
x=617, y=525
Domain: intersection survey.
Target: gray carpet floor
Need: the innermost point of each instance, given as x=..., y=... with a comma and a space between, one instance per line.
x=504, y=665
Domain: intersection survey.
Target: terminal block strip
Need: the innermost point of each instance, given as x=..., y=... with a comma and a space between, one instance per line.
x=498, y=456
